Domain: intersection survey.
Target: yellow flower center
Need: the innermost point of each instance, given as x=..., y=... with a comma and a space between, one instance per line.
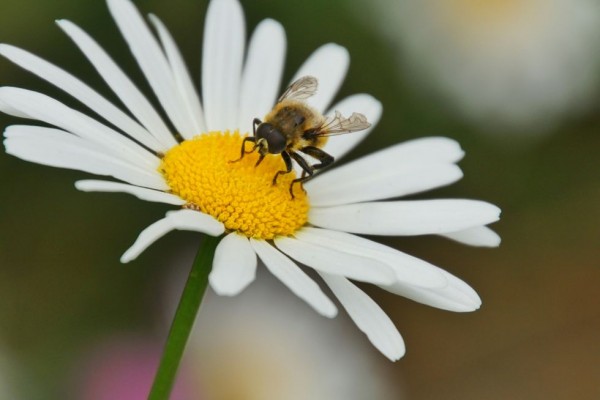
x=238, y=194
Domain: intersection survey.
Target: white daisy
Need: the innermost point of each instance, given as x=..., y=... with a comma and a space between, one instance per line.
x=191, y=168
x=520, y=64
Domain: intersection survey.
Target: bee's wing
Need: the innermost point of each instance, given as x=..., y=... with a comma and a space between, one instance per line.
x=300, y=89
x=337, y=124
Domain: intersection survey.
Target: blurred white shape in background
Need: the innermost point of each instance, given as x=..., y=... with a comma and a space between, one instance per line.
x=267, y=344
x=506, y=64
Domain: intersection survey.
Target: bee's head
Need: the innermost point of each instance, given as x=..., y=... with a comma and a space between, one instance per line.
x=269, y=139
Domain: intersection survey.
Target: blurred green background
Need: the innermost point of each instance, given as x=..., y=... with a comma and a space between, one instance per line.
x=537, y=335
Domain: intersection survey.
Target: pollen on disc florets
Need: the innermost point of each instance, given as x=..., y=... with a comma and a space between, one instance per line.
x=238, y=194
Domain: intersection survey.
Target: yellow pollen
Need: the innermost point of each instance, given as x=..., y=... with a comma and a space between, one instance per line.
x=238, y=194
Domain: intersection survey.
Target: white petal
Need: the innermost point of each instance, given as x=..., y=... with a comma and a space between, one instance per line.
x=46, y=109
x=60, y=149
x=387, y=173
x=222, y=56
x=429, y=149
x=349, y=184
x=406, y=218
x=8, y=109
x=188, y=220
x=480, y=236
x=141, y=193
x=408, y=269
x=370, y=107
x=184, y=82
x=294, y=278
x=120, y=84
x=262, y=73
x=329, y=64
x=457, y=296
x=368, y=316
x=152, y=62
x=234, y=265
x=82, y=92
x=333, y=261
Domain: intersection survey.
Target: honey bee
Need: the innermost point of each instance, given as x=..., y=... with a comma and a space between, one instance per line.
x=293, y=127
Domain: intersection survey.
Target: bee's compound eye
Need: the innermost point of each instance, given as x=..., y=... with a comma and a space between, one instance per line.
x=275, y=139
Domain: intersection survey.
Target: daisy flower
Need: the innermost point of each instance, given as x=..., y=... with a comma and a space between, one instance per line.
x=521, y=64
x=185, y=162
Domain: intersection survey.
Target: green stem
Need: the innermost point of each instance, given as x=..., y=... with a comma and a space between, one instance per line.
x=183, y=320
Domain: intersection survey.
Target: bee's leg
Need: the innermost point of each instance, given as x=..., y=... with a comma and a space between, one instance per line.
x=243, y=152
x=252, y=139
x=306, y=169
x=324, y=158
x=288, y=166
